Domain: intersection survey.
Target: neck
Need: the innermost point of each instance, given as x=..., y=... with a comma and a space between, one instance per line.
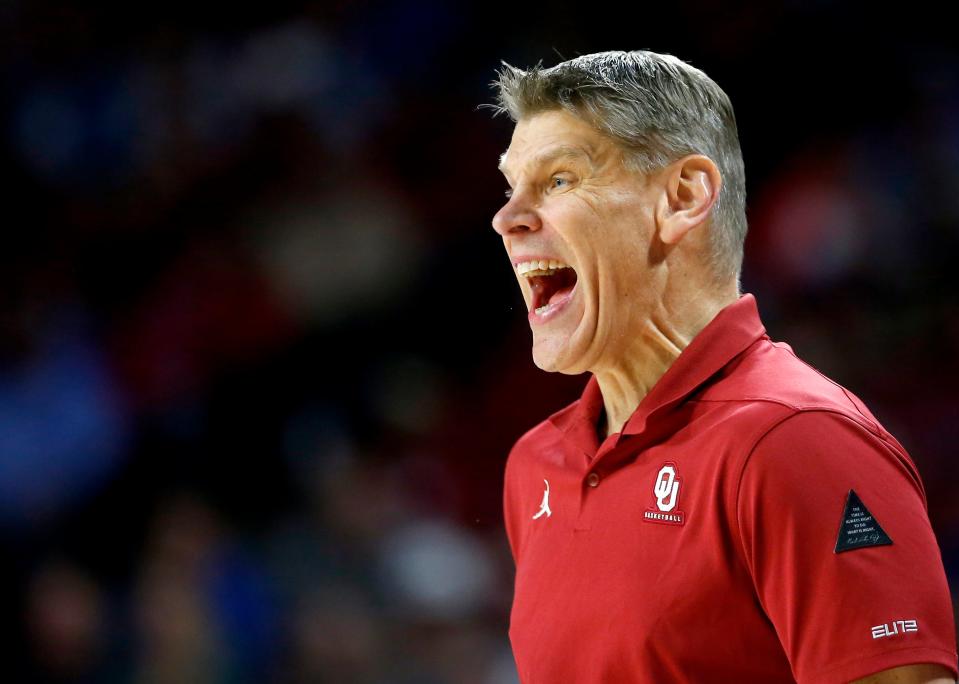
x=654, y=347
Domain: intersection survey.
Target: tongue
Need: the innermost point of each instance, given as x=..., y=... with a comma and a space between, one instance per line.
x=564, y=280
x=548, y=289
x=561, y=292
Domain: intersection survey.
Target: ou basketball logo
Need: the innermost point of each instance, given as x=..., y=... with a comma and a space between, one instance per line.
x=666, y=488
x=666, y=495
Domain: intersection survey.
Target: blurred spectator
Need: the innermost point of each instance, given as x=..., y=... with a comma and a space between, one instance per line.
x=336, y=637
x=67, y=621
x=63, y=425
x=203, y=609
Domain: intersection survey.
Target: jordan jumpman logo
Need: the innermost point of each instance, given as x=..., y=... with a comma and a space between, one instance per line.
x=544, y=507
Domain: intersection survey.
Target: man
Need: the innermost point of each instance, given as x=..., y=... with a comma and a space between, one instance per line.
x=711, y=509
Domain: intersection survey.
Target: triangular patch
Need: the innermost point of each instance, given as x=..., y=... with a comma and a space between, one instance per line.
x=859, y=529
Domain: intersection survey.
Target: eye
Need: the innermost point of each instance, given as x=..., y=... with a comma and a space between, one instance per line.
x=558, y=183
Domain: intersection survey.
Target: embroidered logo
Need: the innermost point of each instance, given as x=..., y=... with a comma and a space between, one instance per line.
x=893, y=628
x=859, y=529
x=544, y=507
x=666, y=496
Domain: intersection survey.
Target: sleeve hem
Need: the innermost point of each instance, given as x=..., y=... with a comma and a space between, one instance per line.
x=863, y=667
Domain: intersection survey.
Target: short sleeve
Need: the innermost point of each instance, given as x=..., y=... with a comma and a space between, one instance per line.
x=844, y=601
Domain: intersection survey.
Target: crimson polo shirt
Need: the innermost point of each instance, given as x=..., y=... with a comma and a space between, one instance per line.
x=752, y=522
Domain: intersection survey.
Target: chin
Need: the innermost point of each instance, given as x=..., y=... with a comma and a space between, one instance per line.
x=554, y=356
x=563, y=349
x=546, y=355
x=548, y=365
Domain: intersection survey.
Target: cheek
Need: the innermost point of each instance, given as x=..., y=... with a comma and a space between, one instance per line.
x=623, y=257
x=628, y=227
x=594, y=202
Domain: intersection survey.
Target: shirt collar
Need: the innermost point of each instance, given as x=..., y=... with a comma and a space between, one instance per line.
x=730, y=333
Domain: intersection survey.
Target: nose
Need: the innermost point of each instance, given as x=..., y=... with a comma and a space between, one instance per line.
x=516, y=216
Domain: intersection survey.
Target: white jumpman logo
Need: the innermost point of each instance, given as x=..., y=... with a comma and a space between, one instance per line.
x=544, y=507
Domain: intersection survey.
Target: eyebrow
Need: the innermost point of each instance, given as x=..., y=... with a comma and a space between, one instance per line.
x=552, y=154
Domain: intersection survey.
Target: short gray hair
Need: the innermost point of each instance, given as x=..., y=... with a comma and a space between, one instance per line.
x=659, y=109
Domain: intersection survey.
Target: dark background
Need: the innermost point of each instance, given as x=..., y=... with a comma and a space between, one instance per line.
x=262, y=356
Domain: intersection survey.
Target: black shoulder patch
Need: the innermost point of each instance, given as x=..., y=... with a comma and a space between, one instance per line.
x=859, y=529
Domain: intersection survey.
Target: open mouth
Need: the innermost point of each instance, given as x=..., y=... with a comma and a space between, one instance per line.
x=550, y=283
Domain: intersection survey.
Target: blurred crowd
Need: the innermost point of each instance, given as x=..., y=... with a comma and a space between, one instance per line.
x=262, y=357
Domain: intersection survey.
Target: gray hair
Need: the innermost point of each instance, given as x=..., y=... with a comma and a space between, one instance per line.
x=659, y=109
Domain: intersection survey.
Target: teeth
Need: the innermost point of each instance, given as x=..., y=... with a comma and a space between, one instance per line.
x=540, y=267
x=542, y=309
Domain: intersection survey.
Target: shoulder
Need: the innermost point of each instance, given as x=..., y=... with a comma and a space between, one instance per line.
x=792, y=423
x=769, y=391
x=826, y=430
x=770, y=372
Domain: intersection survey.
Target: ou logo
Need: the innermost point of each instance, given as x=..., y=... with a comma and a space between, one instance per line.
x=666, y=488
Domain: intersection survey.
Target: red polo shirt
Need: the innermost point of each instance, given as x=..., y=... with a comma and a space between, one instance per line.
x=753, y=522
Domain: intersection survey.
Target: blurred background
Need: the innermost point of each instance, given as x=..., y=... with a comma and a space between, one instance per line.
x=262, y=356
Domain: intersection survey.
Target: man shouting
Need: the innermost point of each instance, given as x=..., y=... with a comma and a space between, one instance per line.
x=718, y=510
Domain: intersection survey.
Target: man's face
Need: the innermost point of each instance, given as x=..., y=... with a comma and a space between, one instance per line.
x=577, y=228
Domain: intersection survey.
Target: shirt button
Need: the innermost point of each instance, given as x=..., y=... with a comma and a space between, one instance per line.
x=592, y=479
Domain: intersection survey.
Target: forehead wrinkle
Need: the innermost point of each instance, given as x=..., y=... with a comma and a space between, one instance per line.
x=551, y=154
x=562, y=152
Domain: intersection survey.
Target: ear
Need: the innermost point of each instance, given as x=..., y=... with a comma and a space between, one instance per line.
x=691, y=189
